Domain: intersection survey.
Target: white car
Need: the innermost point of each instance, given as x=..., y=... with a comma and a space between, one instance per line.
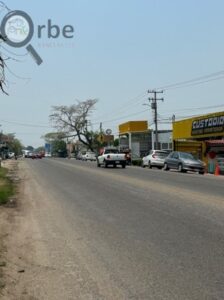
x=91, y=156
x=111, y=156
x=11, y=154
x=47, y=154
x=155, y=158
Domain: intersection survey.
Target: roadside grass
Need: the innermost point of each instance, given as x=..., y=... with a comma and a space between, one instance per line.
x=6, y=186
x=7, y=190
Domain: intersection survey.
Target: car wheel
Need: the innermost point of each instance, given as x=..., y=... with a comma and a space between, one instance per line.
x=180, y=168
x=165, y=168
x=123, y=166
x=149, y=165
x=201, y=172
x=98, y=164
x=142, y=164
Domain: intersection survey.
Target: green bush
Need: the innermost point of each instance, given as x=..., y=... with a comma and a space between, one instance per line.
x=6, y=187
x=137, y=162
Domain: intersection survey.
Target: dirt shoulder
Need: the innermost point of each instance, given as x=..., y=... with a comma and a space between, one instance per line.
x=14, y=224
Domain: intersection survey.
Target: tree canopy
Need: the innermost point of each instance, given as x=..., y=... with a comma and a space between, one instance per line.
x=74, y=121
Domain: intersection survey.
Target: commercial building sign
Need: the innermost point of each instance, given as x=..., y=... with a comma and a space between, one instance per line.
x=207, y=125
x=133, y=126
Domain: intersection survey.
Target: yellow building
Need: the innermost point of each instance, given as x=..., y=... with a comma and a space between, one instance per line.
x=133, y=126
x=202, y=136
x=134, y=136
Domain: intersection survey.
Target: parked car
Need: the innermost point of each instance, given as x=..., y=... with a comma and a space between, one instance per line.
x=11, y=155
x=47, y=154
x=155, y=158
x=183, y=162
x=79, y=156
x=91, y=156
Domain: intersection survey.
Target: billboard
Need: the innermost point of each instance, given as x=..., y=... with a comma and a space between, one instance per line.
x=47, y=148
x=206, y=126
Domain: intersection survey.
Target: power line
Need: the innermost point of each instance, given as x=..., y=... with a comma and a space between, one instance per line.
x=194, y=81
x=117, y=119
x=198, y=108
x=167, y=117
x=183, y=84
x=197, y=83
x=125, y=106
x=25, y=124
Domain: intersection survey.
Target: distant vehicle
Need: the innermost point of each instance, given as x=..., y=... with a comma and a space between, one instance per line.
x=183, y=162
x=10, y=155
x=36, y=155
x=30, y=154
x=91, y=156
x=155, y=158
x=47, y=154
x=79, y=156
x=111, y=156
x=26, y=153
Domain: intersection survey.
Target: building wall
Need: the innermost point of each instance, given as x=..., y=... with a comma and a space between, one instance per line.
x=164, y=139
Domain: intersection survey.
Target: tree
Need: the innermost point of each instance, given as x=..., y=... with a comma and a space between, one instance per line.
x=53, y=136
x=2, y=69
x=16, y=147
x=116, y=142
x=30, y=148
x=12, y=144
x=40, y=149
x=73, y=121
x=59, y=148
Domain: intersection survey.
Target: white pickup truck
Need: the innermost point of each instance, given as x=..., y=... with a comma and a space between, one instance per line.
x=111, y=156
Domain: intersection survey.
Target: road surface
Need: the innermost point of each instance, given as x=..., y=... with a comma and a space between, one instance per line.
x=123, y=233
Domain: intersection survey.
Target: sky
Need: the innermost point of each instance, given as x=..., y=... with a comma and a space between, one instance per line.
x=119, y=51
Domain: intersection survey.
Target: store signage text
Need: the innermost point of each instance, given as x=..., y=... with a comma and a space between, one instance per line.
x=208, y=125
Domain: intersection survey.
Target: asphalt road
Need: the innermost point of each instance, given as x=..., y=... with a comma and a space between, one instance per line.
x=128, y=233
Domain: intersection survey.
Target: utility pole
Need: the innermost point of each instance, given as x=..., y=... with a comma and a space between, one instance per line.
x=101, y=127
x=101, y=133
x=154, y=108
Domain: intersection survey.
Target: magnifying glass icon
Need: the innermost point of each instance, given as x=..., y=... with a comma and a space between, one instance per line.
x=18, y=28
